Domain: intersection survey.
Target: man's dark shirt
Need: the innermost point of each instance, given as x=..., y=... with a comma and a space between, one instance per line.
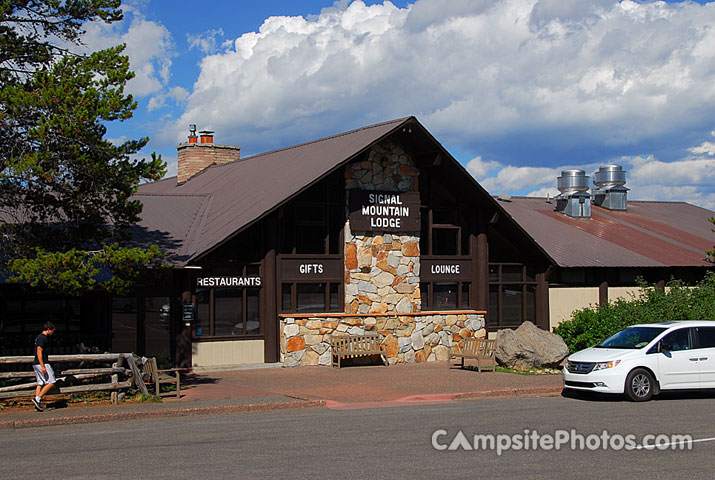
x=44, y=342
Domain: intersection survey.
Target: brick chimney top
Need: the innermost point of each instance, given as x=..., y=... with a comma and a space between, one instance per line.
x=207, y=136
x=194, y=157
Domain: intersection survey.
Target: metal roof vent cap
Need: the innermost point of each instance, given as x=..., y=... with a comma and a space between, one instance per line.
x=572, y=181
x=574, y=199
x=610, y=192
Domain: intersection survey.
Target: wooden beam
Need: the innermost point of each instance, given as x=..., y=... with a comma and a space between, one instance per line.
x=136, y=376
x=66, y=372
x=75, y=389
x=22, y=386
x=17, y=374
x=97, y=357
x=603, y=293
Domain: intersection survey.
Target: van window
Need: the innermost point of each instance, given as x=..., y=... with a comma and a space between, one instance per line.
x=707, y=337
x=678, y=340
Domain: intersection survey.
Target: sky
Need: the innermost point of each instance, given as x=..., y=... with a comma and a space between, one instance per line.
x=516, y=90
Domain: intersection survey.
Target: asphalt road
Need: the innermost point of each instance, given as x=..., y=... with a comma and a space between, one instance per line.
x=371, y=443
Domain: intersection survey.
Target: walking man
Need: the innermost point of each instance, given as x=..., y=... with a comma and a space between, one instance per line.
x=43, y=370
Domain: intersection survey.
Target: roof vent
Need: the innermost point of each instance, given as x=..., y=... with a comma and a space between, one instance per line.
x=574, y=199
x=610, y=192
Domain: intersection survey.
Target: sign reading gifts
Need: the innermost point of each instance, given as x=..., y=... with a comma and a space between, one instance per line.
x=297, y=268
x=372, y=211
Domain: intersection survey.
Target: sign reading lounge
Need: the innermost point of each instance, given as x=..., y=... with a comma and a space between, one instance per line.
x=372, y=210
x=436, y=270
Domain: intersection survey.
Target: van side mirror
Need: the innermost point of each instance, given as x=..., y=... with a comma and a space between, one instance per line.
x=666, y=347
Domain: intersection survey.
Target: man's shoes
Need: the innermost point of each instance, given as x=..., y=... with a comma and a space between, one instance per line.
x=38, y=405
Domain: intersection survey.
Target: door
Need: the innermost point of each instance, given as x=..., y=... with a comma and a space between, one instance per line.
x=142, y=325
x=157, y=327
x=678, y=362
x=706, y=356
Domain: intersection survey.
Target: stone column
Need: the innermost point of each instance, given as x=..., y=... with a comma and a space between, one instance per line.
x=382, y=271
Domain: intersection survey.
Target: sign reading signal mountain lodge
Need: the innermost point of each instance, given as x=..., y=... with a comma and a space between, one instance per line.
x=372, y=210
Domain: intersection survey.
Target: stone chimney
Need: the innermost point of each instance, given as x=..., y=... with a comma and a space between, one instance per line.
x=195, y=157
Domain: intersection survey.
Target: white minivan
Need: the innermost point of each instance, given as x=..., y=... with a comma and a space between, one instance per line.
x=642, y=360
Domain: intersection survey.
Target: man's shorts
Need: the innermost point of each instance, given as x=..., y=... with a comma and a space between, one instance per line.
x=43, y=379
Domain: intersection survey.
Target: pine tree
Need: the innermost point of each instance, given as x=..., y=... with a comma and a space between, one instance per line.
x=65, y=190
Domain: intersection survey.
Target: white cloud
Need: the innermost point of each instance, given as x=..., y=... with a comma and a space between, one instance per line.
x=610, y=73
x=117, y=140
x=171, y=165
x=511, y=179
x=207, y=42
x=178, y=94
x=705, y=148
x=626, y=70
x=690, y=179
x=688, y=171
x=544, y=192
x=148, y=45
x=479, y=168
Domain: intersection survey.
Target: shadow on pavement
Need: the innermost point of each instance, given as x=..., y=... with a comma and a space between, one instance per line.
x=662, y=396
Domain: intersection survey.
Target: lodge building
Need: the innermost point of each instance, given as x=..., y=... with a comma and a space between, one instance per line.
x=379, y=230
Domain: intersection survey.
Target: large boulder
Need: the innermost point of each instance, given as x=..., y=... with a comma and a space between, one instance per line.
x=529, y=347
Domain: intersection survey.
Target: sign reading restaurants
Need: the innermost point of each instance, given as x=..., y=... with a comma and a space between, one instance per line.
x=372, y=211
x=230, y=282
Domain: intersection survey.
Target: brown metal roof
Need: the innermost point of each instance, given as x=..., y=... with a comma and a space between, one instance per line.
x=649, y=234
x=241, y=192
x=191, y=219
x=173, y=222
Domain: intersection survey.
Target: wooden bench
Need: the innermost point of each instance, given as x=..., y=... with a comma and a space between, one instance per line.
x=356, y=346
x=157, y=377
x=480, y=349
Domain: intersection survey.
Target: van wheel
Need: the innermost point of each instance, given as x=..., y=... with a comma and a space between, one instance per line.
x=639, y=385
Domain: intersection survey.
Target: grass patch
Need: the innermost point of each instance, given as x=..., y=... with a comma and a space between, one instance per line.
x=533, y=371
x=88, y=397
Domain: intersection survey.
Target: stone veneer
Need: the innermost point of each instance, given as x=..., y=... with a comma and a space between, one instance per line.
x=382, y=270
x=420, y=337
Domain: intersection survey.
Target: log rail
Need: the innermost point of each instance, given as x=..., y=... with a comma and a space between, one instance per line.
x=130, y=374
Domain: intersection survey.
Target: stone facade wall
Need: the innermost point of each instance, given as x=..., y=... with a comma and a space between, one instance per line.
x=194, y=157
x=382, y=270
x=422, y=337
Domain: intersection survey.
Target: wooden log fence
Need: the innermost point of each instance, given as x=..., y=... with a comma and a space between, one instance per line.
x=131, y=374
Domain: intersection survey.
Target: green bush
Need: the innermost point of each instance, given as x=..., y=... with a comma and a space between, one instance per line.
x=590, y=325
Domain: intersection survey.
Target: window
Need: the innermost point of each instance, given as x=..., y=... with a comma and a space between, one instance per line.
x=444, y=232
x=512, y=295
x=445, y=295
x=707, y=337
x=313, y=223
x=677, y=340
x=307, y=297
x=229, y=312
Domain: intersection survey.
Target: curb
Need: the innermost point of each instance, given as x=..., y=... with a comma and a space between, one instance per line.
x=511, y=392
x=266, y=407
x=179, y=412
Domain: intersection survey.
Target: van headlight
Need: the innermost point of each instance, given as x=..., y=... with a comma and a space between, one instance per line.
x=605, y=365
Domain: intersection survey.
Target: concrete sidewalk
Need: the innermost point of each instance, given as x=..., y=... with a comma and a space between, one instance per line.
x=262, y=389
